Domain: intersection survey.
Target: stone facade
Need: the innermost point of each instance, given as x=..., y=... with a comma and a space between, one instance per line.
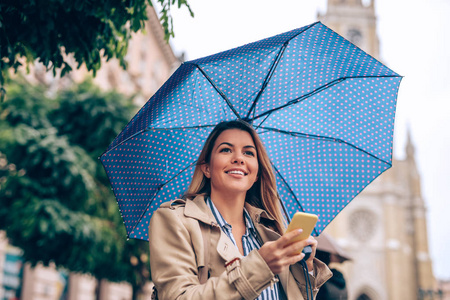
x=444, y=288
x=384, y=228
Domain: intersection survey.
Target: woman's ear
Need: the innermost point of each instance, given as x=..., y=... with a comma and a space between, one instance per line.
x=205, y=170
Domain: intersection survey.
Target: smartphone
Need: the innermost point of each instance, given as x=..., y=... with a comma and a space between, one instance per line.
x=305, y=221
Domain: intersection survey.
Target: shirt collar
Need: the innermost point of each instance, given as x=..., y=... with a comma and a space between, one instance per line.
x=224, y=224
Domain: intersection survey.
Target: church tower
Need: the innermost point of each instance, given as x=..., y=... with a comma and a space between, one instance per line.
x=356, y=21
x=384, y=228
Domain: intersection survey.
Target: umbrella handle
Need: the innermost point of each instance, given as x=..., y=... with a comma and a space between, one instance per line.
x=307, y=251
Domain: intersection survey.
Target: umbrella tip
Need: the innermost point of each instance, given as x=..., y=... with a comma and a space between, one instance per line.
x=247, y=119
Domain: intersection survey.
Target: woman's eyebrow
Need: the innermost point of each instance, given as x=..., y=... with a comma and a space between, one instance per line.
x=231, y=145
x=225, y=143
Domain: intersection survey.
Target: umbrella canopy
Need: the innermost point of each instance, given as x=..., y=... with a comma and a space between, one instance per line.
x=323, y=108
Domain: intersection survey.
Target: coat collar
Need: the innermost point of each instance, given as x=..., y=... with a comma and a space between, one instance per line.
x=197, y=209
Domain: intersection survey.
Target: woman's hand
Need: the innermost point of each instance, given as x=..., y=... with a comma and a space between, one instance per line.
x=280, y=254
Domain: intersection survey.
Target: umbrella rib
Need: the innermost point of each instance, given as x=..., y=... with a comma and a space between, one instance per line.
x=218, y=90
x=155, y=129
x=290, y=191
x=326, y=86
x=293, y=194
x=268, y=77
x=296, y=100
x=179, y=128
x=272, y=69
x=319, y=137
x=154, y=196
x=125, y=140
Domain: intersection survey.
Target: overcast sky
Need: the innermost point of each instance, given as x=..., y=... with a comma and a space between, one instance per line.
x=415, y=42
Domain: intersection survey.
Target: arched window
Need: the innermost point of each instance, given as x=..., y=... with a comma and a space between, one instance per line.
x=362, y=225
x=354, y=36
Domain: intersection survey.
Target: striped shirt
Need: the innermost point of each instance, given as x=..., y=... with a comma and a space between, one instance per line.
x=250, y=241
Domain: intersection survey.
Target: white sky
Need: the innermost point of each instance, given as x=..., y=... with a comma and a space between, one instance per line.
x=415, y=42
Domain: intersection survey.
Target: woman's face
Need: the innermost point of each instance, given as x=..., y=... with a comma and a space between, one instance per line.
x=233, y=167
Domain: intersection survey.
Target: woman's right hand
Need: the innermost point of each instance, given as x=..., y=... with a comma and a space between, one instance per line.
x=280, y=254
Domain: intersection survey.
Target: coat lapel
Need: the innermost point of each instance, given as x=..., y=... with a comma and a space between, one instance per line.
x=198, y=209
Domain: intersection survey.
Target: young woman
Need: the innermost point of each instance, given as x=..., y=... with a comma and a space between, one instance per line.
x=224, y=239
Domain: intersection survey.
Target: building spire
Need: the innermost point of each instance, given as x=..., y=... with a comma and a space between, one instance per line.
x=409, y=148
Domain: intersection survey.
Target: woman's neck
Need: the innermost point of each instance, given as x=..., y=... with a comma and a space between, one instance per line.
x=231, y=207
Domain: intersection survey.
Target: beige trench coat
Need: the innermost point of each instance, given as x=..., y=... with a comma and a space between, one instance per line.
x=177, y=252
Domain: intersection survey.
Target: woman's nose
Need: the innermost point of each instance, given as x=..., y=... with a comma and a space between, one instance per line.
x=238, y=159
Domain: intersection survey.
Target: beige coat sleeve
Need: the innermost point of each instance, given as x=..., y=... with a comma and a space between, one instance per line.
x=174, y=268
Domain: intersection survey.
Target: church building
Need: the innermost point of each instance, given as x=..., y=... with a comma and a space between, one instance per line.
x=384, y=228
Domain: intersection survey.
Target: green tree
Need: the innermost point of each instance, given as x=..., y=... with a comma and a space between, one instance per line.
x=55, y=199
x=47, y=30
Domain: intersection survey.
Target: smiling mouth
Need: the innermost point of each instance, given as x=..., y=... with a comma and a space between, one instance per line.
x=236, y=172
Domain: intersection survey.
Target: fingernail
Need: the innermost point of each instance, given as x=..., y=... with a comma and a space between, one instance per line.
x=300, y=230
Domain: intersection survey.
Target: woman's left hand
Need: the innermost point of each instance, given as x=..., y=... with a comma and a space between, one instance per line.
x=309, y=261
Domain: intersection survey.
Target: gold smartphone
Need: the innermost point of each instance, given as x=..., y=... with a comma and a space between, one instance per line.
x=304, y=221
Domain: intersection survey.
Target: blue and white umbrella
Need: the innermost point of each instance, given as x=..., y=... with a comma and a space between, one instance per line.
x=323, y=107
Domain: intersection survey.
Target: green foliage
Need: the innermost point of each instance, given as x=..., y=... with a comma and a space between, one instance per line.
x=47, y=31
x=70, y=234
x=31, y=111
x=166, y=18
x=52, y=166
x=96, y=116
x=56, y=203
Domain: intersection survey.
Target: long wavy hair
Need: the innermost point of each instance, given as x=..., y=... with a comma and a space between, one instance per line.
x=263, y=194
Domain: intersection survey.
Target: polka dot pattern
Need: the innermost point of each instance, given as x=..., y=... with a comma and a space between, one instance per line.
x=317, y=175
x=144, y=169
x=311, y=62
x=352, y=111
x=323, y=108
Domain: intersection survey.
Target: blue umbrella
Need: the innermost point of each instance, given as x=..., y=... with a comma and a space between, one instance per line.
x=323, y=108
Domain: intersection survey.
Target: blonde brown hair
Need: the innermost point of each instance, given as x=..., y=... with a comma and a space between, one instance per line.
x=263, y=194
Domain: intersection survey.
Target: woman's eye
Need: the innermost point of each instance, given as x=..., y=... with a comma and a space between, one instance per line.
x=225, y=150
x=250, y=153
